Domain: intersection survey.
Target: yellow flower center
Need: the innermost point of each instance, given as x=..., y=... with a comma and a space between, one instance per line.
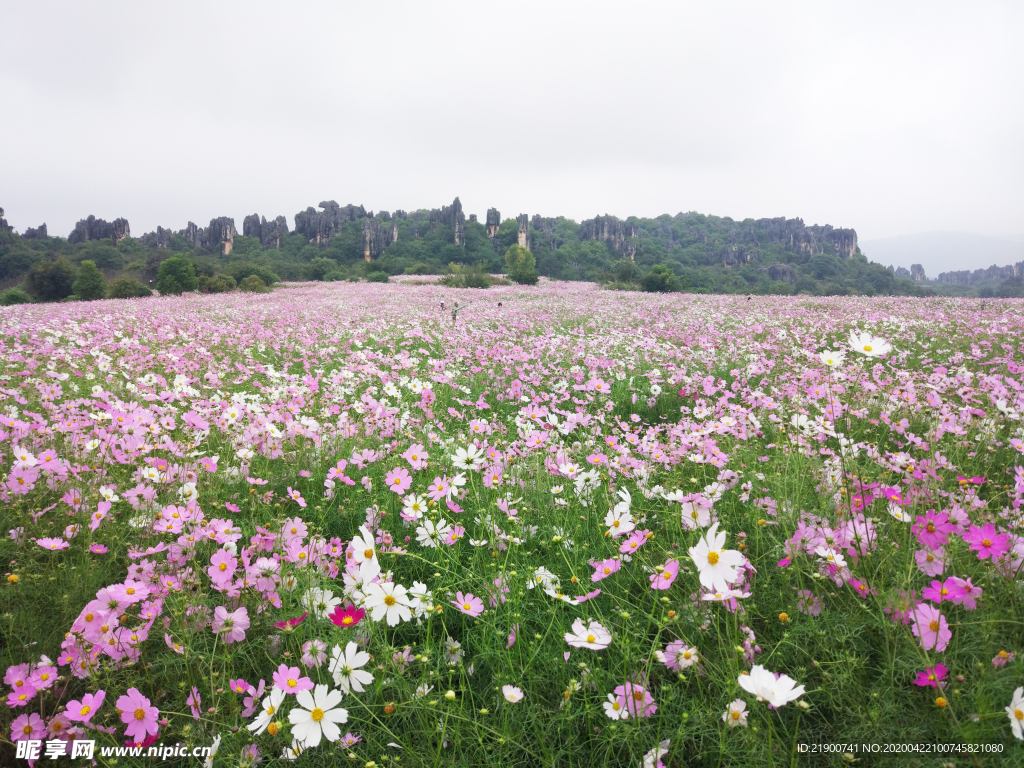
x=867, y=347
x=389, y=601
x=222, y=567
x=638, y=695
x=933, y=626
x=85, y=710
x=607, y=571
x=368, y=553
x=272, y=729
x=1003, y=655
x=930, y=528
x=317, y=715
x=616, y=706
x=467, y=607
x=735, y=715
x=986, y=542
x=140, y=714
x=347, y=620
x=712, y=558
x=1019, y=714
x=292, y=683
x=591, y=638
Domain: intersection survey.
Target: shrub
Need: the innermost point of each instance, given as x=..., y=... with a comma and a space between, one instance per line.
x=176, y=276
x=217, y=284
x=15, y=295
x=377, y=277
x=252, y=284
x=243, y=269
x=90, y=284
x=127, y=288
x=335, y=277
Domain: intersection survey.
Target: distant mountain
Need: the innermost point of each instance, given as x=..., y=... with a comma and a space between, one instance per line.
x=945, y=251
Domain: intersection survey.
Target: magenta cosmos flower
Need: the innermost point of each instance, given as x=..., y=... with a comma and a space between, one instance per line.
x=138, y=715
x=985, y=541
x=468, y=604
x=231, y=626
x=398, y=480
x=347, y=617
x=933, y=529
x=932, y=676
x=664, y=579
x=296, y=497
x=82, y=711
x=28, y=727
x=930, y=627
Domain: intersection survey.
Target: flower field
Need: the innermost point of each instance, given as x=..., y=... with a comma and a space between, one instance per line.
x=577, y=528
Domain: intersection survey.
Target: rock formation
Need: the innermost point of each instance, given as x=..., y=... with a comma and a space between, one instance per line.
x=452, y=216
x=400, y=214
x=221, y=232
x=376, y=238
x=161, y=238
x=472, y=217
x=524, y=230
x=98, y=229
x=609, y=229
x=320, y=226
x=793, y=234
x=917, y=273
x=967, y=277
x=493, y=222
x=39, y=233
x=783, y=273
x=268, y=232
x=4, y=226
x=902, y=272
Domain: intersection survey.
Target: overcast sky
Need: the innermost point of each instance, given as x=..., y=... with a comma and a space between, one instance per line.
x=890, y=117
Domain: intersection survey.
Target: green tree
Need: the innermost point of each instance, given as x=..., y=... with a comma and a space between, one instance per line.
x=91, y=284
x=661, y=279
x=50, y=280
x=520, y=265
x=127, y=288
x=176, y=276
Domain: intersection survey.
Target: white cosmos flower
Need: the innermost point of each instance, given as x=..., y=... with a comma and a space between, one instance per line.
x=268, y=709
x=592, y=636
x=430, y=534
x=897, y=511
x=762, y=684
x=320, y=602
x=717, y=565
x=831, y=556
x=869, y=345
x=614, y=709
x=421, y=599
x=832, y=360
x=736, y=714
x=619, y=521
x=365, y=555
x=414, y=506
x=511, y=693
x=1016, y=713
x=317, y=717
x=344, y=665
x=388, y=600
x=468, y=458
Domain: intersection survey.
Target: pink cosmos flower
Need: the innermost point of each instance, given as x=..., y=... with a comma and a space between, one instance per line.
x=82, y=711
x=138, y=714
x=416, y=456
x=636, y=540
x=398, y=480
x=195, y=703
x=468, y=604
x=986, y=542
x=28, y=727
x=664, y=579
x=178, y=649
x=636, y=700
x=929, y=562
x=238, y=685
x=808, y=603
x=930, y=627
x=963, y=592
x=252, y=701
x=1003, y=658
x=222, y=567
x=296, y=497
x=313, y=653
x=231, y=626
x=347, y=617
x=933, y=529
x=233, y=508
x=932, y=676
x=438, y=489
x=52, y=544
x=20, y=697
x=290, y=680
x=679, y=656
x=604, y=568
x=512, y=637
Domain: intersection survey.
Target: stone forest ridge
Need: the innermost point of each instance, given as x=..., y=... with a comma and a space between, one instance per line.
x=694, y=252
